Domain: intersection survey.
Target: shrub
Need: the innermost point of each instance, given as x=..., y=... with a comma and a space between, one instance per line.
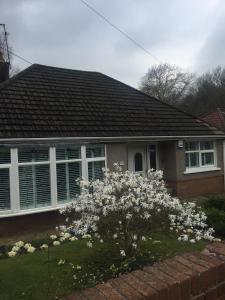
x=125, y=205
x=217, y=201
x=215, y=211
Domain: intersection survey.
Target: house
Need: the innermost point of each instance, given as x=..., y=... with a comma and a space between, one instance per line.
x=215, y=118
x=58, y=124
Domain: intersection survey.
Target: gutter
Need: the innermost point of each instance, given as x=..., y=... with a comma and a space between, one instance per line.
x=107, y=139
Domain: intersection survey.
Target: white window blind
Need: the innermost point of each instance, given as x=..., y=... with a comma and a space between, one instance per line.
x=34, y=178
x=95, y=170
x=95, y=155
x=68, y=170
x=4, y=178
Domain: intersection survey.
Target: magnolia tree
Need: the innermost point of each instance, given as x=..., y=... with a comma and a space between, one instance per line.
x=126, y=205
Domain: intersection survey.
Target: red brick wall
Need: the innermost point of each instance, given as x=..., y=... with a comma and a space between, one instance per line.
x=198, y=186
x=26, y=223
x=192, y=276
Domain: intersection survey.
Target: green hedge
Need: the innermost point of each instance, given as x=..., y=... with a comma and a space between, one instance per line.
x=215, y=211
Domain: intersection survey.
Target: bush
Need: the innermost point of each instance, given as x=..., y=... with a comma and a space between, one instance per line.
x=124, y=206
x=217, y=202
x=215, y=211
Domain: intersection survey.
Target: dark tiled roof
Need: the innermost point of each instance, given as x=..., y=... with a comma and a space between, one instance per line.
x=46, y=101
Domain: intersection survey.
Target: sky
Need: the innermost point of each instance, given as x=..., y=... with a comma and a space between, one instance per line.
x=65, y=33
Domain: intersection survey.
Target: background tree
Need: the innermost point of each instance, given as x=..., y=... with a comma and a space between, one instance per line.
x=167, y=83
x=207, y=94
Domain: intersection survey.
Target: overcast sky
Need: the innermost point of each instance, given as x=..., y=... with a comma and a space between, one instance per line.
x=188, y=33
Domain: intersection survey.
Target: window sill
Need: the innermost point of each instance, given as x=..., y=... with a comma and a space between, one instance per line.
x=10, y=213
x=201, y=170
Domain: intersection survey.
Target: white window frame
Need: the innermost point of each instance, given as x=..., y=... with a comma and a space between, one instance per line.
x=202, y=168
x=52, y=162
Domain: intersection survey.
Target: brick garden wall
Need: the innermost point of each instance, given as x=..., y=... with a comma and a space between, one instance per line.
x=191, y=276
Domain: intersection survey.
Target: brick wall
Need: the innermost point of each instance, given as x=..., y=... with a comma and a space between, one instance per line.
x=191, y=276
x=198, y=186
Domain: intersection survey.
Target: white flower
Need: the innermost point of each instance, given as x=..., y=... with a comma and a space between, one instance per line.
x=56, y=243
x=53, y=237
x=31, y=249
x=27, y=245
x=143, y=238
x=89, y=244
x=115, y=236
x=192, y=241
x=73, y=238
x=101, y=241
x=11, y=253
x=15, y=249
x=78, y=267
x=61, y=262
x=122, y=253
x=134, y=245
x=19, y=244
x=44, y=246
x=134, y=237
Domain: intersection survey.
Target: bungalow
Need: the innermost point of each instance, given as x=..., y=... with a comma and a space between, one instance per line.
x=59, y=124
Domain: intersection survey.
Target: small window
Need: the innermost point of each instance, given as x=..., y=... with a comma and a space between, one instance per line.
x=95, y=151
x=199, y=154
x=138, y=162
x=4, y=155
x=68, y=153
x=95, y=170
x=29, y=154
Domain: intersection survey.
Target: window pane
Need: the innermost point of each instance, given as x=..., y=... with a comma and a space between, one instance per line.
x=95, y=170
x=4, y=189
x=67, y=187
x=68, y=152
x=95, y=151
x=5, y=155
x=138, y=162
x=34, y=184
x=207, y=158
x=33, y=154
x=191, y=146
x=194, y=159
x=206, y=145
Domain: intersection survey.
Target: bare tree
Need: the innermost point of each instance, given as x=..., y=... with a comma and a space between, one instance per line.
x=209, y=92
x=167, y=83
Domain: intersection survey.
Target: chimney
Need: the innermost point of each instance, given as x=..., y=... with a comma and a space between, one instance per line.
x=4, y=69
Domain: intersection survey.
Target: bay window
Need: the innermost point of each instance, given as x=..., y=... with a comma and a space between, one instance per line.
x=200, y=155
x=37, y=178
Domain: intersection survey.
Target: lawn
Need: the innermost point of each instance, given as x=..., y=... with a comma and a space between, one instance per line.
x=30, y=276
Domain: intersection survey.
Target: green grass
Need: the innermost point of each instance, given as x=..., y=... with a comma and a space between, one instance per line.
x=27, y=276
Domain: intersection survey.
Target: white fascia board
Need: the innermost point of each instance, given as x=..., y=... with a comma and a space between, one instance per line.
x=111, y=139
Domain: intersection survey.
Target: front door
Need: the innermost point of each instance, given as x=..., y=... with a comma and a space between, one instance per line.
x=137, y=159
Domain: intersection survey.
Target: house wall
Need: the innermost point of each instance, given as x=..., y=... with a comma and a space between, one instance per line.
x=117, y=153
x=202, y=183
x=171, y=161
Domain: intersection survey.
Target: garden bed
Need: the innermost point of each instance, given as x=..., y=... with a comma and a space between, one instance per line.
x=30, y=276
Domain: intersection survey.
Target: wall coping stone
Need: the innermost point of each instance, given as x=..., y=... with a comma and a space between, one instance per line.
x=190, y=276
